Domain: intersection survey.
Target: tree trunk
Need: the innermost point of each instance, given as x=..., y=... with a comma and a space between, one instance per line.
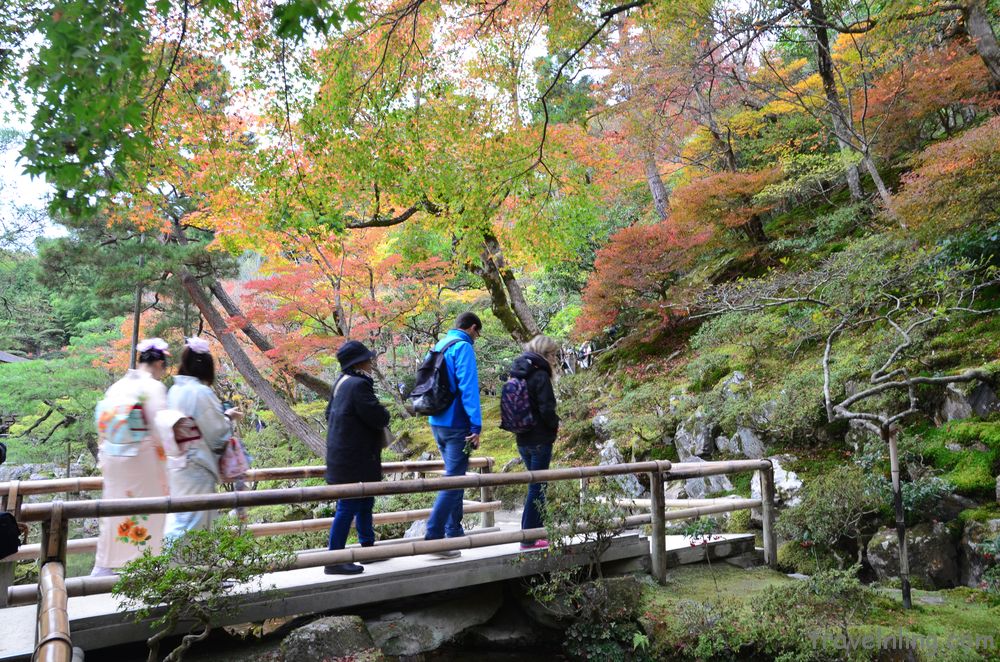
x=824, y=65
x=889, y=436
x=883, y=190
x=660, y=197
x=291, y=421
x=754, y=230
x=311, y=382
x=506, y=298
x=977, y=24
x=724, y=144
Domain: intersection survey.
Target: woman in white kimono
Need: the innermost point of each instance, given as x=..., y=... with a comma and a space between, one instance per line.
x=131, y=457
x=192, y=395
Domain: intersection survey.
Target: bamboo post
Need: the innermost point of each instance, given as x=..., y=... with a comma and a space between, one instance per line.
x=889, y=436
x=486, y=519
x=52, y=637
x=584, y=485
x=767, y=515
x=658, y=538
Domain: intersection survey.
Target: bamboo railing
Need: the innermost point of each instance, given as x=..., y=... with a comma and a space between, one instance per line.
x=54, y=518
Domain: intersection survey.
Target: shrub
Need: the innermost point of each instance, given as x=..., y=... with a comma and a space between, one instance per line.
x=833, y=506
x=738, y=522
x=805, y=558
x=191, y=578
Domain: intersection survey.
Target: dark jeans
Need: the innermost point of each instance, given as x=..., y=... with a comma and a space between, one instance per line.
x=446, y=515
x=536, y=458
x=352, y=510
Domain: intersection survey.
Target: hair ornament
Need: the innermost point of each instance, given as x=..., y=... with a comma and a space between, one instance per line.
x=197, y=345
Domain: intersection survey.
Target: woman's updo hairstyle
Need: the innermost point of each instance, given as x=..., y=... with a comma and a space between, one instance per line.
x=197, y=361
x=152, y=350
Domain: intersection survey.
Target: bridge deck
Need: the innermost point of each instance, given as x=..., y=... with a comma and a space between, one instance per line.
x=96, y=621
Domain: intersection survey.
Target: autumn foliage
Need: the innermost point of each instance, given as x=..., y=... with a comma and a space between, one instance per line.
x=633, y=275
x=954, y=184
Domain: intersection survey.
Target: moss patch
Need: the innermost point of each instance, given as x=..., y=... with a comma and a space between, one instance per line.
x=966, y=452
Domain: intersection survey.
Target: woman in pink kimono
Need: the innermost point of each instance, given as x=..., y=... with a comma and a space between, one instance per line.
x=131, y=457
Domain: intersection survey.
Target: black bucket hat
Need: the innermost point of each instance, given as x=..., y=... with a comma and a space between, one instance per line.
x=352, y=353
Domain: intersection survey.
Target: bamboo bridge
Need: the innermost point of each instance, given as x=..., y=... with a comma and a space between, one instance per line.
x=48, y=620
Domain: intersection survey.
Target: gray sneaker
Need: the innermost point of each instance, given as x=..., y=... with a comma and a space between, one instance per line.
x=448, y=554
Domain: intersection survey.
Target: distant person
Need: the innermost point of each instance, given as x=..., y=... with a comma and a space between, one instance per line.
x=192, y=395
x=535, y=440
x=131, y=457
x=456, y=430
x=354, y=438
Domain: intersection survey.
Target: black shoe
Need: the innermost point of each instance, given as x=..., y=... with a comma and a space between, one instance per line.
x=343, y=569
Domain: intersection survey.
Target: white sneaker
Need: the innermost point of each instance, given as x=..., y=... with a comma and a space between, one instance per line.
x=448, y=554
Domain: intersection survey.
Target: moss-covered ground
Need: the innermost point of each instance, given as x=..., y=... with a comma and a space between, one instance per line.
x=960, y=613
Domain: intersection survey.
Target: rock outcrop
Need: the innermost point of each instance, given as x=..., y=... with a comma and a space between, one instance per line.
x=335, y=638
x=973, y=560
x=416, y=631
x=932, y=555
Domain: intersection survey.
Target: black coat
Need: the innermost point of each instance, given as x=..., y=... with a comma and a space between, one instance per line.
x=537, y=372
x=355, y=420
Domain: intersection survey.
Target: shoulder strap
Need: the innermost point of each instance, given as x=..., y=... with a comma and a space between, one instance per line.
x=448, y=344
x=336, y=387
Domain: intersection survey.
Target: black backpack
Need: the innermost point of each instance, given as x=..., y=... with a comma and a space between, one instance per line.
x=432, y=393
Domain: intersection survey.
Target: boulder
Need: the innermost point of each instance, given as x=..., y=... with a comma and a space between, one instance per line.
x=418, y=529
x=602, y=426
x=951, y=505
x=747, y=443
x=702, y=487
x=421, y=630
x=674, y=489
x=332, y=638
x=932, y=554
x=965, y=400
x=730, y=445
x=629, y=484
x=735, y=385
x=695, y=437
x=787, y=484
x=955, y=405
x=984, y=400
x=763, y=417
x=972, y=560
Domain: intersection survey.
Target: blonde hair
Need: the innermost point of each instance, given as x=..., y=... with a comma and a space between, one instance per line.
x=544, y=346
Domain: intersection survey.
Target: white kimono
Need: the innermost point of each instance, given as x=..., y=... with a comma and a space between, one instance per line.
x=123, y=539
x=200, y=473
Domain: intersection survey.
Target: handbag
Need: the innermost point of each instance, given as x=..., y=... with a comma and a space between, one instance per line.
x=234, y=462
x=10, y=530
x=10, y=535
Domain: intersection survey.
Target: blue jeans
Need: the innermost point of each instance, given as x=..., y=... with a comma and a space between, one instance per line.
x=446, y=515
x=536, y=458
x=352, y=510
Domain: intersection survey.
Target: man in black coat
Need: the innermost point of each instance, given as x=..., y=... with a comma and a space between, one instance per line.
x=356, y=421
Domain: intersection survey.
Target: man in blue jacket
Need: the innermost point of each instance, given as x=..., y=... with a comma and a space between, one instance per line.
x=456, y=430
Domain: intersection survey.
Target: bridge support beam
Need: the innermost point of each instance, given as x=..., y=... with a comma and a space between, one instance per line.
x=767, y=515
x=486, y=519
x=658, y=538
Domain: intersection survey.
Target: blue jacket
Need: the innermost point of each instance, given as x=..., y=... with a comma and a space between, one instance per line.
x=463, y=373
